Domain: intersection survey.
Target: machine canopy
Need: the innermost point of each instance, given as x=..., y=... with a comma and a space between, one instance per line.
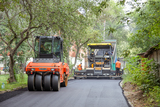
x=99, y=45
x=48, y=47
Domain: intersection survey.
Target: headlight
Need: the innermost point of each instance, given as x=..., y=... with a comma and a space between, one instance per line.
x=106, y=56
x=82, y=73
x=52, y=69
x=32, y=69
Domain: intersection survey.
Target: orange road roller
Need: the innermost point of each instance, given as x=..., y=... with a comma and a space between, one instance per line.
x=47, y=72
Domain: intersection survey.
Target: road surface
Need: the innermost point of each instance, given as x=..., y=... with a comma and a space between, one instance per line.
x=78, y=93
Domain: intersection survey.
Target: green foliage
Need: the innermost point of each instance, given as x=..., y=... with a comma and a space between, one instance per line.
x=143, y=73
x=125, y=53
x=122, y=2
x=154, y=95
x=21, y=20
x=146, y=22
x=5, y=59
x=11, y=86
x=101, y=6
x=111, y=24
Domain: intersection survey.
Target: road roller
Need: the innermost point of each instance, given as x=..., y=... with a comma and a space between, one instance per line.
x=47, y=71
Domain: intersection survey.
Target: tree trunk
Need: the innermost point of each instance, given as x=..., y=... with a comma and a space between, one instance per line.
x=5, y=66
x=68, y=62
x=11, y=64
x=24, y=65
x=68, y=55
x=75, y=61
x=11, y=72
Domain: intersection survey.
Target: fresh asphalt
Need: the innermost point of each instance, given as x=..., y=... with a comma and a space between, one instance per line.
x=78, y=93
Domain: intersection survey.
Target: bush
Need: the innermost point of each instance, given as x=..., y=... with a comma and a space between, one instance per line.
x=154, y=95
x=142, y=72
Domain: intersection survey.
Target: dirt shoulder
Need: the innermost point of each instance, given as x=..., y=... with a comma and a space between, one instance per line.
x=134, y=95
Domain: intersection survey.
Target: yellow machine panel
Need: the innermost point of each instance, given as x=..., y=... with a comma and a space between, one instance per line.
x=95, y=44
x=97, y=68
x=99, y=63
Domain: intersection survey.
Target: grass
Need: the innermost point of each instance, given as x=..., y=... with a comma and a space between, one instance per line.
x=127, y=78
x=11, y=86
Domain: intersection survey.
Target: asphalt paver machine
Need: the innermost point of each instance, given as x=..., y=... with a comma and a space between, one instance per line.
x=101, y=60
x=47, y=71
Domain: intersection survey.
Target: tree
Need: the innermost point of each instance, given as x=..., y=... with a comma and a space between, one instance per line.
x=21, y=19
x=83, y=29
x=89, y=35
x=145, y=21
x=24, y=52
x=24, y=18
x=113, y=25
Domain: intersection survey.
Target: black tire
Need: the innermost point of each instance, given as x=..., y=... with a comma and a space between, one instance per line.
x=31, y=79
x=75, y=77
x=65, y=83
x=38, y=82
x=55, y=83
x=47, y=83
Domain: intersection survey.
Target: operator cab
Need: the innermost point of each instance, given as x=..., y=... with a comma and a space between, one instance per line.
x=101, y=56
x=48, y=49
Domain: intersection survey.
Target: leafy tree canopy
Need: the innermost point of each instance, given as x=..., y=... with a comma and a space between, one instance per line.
x=147, y=22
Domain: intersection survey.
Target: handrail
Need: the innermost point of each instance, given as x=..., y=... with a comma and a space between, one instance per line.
x=114, y=52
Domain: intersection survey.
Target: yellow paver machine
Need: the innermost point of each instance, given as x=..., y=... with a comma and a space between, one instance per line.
x=101, y=60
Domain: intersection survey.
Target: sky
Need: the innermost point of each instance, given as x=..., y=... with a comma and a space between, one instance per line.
x=128, y=7
x=128, y=3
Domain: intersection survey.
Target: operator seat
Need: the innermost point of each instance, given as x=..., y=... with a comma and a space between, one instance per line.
x=92, y=55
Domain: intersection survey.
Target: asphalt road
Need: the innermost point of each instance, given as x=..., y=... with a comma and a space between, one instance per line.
x=78, y=93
